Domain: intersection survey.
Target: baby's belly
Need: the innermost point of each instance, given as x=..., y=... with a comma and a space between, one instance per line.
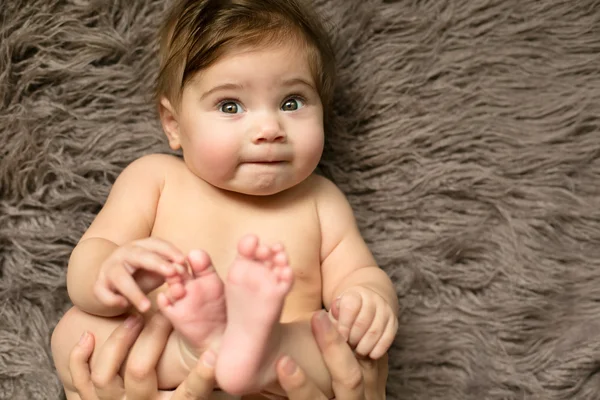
x=300, y=303
x=210, y=228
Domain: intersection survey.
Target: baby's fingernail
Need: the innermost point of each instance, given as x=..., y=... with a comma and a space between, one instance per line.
x=180, y=268
x=209, y=358
x=167, y=269
x=84, y=337
x=289, y=366
x=132, y=321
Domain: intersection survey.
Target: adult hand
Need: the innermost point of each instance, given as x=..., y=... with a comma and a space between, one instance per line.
x=140, y=383
x=352, y=378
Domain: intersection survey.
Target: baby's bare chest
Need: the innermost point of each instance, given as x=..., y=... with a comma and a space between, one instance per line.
x=193, y=219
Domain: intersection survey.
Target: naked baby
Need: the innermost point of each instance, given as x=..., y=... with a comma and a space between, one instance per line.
x=239, y=242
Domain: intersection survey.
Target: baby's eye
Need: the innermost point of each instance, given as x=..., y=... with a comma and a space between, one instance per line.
x=292, y=104
x=230, y=107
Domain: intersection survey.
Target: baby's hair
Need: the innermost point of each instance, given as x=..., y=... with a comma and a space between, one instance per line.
x=197, y=32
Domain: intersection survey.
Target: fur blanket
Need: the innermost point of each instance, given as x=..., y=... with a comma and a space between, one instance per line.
x=469, y=149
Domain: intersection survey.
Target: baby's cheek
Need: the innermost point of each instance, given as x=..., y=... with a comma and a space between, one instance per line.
x=310, y=147
x=217, y=153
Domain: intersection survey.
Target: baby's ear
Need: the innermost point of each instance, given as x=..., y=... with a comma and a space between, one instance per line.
x=170, y=123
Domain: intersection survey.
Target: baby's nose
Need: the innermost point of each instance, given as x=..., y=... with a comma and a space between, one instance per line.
x=269, y=131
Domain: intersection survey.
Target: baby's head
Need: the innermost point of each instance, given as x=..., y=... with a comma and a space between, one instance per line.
x=245, y=88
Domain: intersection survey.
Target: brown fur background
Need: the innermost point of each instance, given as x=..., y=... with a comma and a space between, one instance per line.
x=470, y=151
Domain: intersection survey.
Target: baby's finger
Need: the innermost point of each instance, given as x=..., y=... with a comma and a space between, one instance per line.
x=142, y=258
x=349, y=307
x=107, y=296
x=373, y=334
x=126, y=285
x=295, y=383
x=163, y=248
x=362, y=322
x=386, y=340
x=79, y=367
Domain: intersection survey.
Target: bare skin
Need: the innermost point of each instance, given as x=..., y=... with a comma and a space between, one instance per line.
x=259, y=279
x=244, y=172
x=196, y=306
x=146, y=347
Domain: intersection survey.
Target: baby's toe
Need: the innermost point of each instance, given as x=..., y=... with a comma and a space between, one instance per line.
x=247, y=246
x=263, y=253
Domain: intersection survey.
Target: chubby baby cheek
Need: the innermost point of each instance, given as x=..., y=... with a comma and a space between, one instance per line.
x=310, y=148
x=217, y=155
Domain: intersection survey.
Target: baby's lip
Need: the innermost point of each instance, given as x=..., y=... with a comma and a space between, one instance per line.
x=267, y=160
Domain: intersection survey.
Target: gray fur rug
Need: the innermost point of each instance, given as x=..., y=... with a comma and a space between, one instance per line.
x=470, y=151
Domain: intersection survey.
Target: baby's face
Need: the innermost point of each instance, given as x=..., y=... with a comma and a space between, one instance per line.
x=253, y=122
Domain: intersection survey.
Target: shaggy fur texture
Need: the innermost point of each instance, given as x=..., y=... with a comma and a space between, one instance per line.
x=469, y=149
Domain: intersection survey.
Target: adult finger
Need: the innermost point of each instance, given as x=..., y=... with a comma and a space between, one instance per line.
x=79, y=367
x=200, y=382
x=347, y=310
x=295, y=383
x=346, y=375
x=375, y=374
x=140, y=370
x=105, y=369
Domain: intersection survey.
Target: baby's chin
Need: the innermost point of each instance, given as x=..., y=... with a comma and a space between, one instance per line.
x=261, y=191
x=260, y=188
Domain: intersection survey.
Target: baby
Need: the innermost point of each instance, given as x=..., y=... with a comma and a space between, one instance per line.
x=245, y=90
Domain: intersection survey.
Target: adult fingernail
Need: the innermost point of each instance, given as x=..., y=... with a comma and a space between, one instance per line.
x=324, y=321
x=336, y=307
x=83, y=337
x=209, y=358
x=132, y=321
x=289, y=366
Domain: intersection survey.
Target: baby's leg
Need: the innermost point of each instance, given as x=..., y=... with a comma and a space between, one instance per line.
x=256, y=286
x=198, y=315
x=196, y=307
x=254, y=339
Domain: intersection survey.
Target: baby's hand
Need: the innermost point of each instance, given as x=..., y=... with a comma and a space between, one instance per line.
x=365, y=320
x=155, y=260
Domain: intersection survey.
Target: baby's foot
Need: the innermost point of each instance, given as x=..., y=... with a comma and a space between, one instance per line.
x=195, y=305
x=256, y=286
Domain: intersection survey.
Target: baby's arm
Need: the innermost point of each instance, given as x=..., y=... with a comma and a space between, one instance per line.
x=368, y=307
x=127, y=216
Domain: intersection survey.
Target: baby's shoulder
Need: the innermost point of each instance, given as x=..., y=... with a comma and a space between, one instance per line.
x=158, y=163
x=153, y=168
x=323, y=188
x=330, y=201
